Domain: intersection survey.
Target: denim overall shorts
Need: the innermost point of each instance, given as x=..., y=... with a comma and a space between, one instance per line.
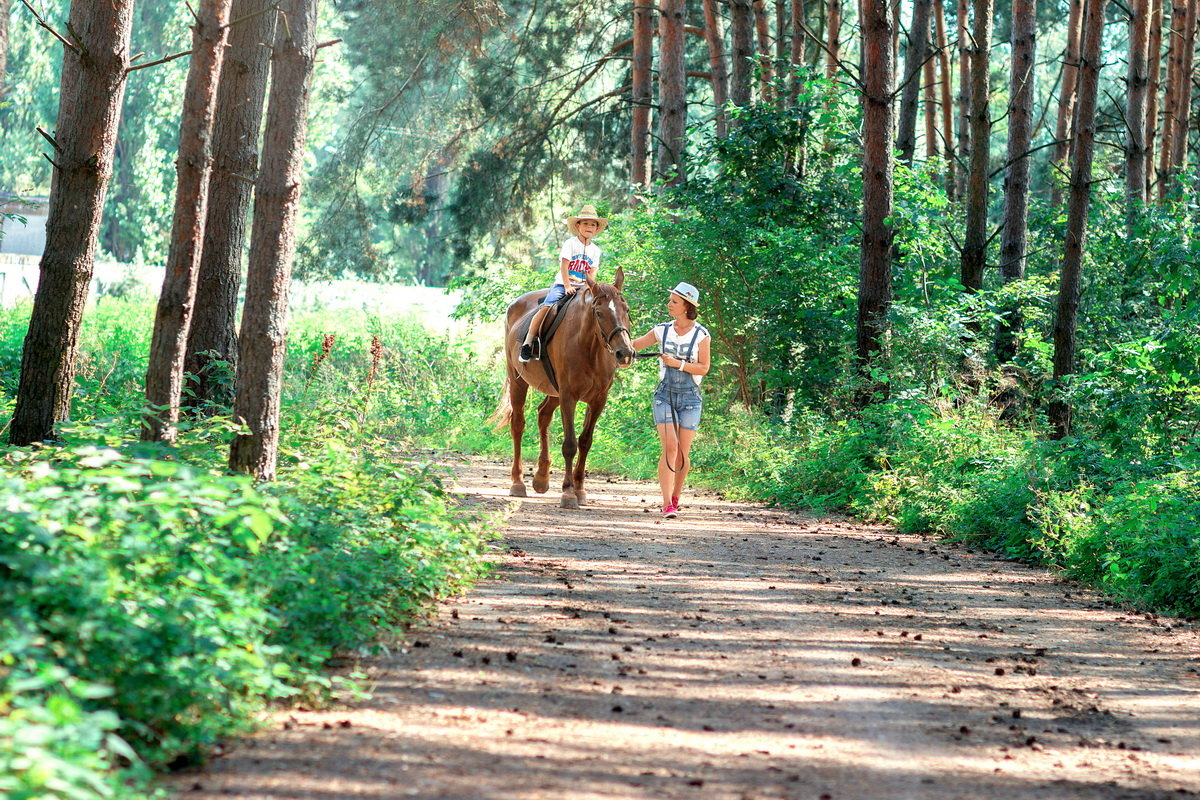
x=677, y=398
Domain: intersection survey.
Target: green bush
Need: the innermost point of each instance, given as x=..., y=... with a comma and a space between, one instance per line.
x=163, y=604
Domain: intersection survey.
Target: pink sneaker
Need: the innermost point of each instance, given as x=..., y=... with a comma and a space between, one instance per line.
x=675, y=503
x=669, y=512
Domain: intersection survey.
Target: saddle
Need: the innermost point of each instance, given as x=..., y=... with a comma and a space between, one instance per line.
x=554, y=318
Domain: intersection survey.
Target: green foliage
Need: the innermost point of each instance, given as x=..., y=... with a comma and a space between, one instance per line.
x=154, y=604
x=135, y=574
x=51, y=746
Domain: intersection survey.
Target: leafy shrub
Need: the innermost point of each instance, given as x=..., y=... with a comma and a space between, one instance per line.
x=169, y=603
x=135, y=575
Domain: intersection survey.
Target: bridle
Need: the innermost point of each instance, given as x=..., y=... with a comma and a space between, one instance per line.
x=614, y=332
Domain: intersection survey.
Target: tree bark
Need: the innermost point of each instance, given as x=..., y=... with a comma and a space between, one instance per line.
x=92, y=88
x=1066, y=100
x=714, y=37
x=1154, y=62
x=1171, y=94
x=946, y=89
x=1083, y=148
x=930, y=103
x=910, y=93
x=273, y=244
x=798, y=51
x=5, y=9
x=1138, y=81
x=833, y=35
x=1016, y=178
x=168, y=341
x=875, y=273
x=975, y=237
x=741, y=35
x=241, y=94
x=766, y=69
x=962, y=129
x=1183, y=103
x=643, y=99
x=672, y=92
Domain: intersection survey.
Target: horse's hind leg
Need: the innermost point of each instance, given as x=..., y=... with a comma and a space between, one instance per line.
x=541, y=478
x=518, y=389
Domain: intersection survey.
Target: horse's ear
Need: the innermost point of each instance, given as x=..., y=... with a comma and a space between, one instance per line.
x=591, y=282
x=619, y=281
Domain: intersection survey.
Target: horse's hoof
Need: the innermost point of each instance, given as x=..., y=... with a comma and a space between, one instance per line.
x=581, y=497
x=569, y=501
x=517, y=490
x=541, y=485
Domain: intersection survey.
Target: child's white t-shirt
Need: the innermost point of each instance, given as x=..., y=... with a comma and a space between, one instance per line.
x=676, y=346
x=581, y=258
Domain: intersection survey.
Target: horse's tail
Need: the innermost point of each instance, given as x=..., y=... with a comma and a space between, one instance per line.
x=501, y=417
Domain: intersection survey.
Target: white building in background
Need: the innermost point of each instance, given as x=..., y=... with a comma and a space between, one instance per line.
x=28, y=239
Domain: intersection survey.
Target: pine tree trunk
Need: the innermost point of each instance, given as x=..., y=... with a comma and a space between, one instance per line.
x=875, y=274
x=168, y=342
x=273, y=244
x=1138, y=81
x=1154, y=63
x=833, y=36
x=5, y=9
x=962, y=123
x=1171, y=94
x=975, y=237
x=1066, y=101
x=643, y=62
x=947, y=91
x=241, y=94
x=741, y=36
x=1016, y=178
x=798, y=51
x=672, y=92
x=1067, y=311
x=714, y=37
x=763, y=59
x=910, y=93
x=930, y=103
x=1183, y=103
x=91, y=91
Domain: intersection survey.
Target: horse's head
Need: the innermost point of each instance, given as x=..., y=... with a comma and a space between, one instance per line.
x=610, y=312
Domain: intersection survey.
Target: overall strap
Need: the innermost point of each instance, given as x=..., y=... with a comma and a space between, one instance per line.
x=692, y=343
x=662, y=339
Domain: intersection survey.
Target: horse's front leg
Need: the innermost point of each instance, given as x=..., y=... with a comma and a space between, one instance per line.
x=585, y=444
x=569, y=447
x=518, y=389
x=541, y=478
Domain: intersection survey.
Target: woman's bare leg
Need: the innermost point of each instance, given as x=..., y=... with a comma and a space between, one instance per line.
x=685, y=447
x=667, y=461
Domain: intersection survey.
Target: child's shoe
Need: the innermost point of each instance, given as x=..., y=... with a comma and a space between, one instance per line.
x=526, y=353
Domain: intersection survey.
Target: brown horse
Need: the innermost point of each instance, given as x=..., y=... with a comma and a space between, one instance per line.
x=590, y=343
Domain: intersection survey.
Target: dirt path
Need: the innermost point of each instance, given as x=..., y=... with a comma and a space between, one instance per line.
x=744, y=653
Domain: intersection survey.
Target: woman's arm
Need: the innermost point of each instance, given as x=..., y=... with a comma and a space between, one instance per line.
x=697, y=367
x=646, y=339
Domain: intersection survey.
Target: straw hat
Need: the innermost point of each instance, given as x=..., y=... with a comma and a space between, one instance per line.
x=687, y=292
x=587, y=212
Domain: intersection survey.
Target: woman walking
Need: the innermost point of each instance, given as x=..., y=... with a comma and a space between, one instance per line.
x=684, y=361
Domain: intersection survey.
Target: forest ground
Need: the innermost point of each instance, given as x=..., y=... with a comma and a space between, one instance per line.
x=743, y=653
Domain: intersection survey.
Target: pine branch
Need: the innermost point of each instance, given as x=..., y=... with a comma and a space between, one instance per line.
x=43, y=24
